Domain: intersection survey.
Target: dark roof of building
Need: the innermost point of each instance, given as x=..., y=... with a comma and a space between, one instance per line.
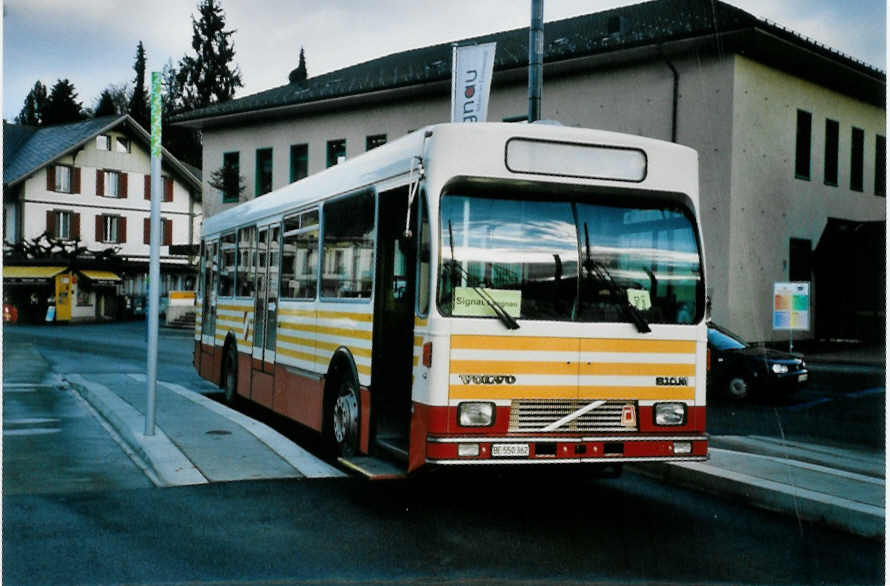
x=27, y=149
x=628, y=27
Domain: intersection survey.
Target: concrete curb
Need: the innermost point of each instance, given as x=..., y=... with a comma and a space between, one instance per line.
x=847, y=515
x=157, y=452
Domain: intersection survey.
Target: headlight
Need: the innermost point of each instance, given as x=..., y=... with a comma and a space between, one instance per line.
x=670, y=413
x=475, y=414
x=780, y=368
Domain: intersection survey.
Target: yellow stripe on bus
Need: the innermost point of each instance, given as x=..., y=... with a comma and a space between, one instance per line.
x=461, y=342
x=364, y=352
x=498, y=367
x=632, y=369
x=641, y=346
x=493, y=392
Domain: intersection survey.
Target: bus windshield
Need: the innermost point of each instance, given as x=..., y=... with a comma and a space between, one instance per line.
x=544, y=258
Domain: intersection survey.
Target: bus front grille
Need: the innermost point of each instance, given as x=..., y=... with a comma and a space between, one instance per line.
x=536, y=415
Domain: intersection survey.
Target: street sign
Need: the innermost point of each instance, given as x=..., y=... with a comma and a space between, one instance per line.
x=791, y=306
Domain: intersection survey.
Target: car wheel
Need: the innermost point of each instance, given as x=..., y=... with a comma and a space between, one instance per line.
x=737, y=388
x=230, y=375
x=344, y=419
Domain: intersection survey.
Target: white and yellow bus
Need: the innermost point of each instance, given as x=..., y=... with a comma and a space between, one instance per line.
x=471, y=294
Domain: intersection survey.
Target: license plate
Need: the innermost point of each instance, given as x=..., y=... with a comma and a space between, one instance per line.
x=509, y=450
x=802, y=378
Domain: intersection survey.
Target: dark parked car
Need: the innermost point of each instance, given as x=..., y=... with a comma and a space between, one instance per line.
x=738, y=369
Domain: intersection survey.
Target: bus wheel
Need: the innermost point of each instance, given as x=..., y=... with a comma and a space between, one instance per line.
x=345, y=419
x=230, y=375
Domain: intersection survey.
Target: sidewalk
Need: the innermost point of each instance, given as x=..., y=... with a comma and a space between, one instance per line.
x=841, y=488
x=196, y=439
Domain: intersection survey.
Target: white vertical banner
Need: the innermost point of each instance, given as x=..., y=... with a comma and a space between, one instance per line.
x=471, y=70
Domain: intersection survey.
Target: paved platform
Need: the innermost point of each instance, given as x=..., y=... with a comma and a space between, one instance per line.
x=196, y=440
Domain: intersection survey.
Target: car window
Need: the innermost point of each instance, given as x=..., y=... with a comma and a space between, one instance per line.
x=724, y=340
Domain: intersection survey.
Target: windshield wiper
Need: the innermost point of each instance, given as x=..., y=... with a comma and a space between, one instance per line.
x=472, y=281
x=618, y=293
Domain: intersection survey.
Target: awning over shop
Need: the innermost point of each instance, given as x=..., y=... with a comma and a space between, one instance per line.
x=27, y=275
x=101, y=277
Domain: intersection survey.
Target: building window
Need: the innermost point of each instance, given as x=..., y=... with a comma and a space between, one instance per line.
x=63, y=225
x=122, y=144
x=103, y=142
x=880, y=166
x=804, y=140
x=231, y=177
x=263, y=171
x=336, y=151
x=831, y=152
x=299, y=161
x=166, y=231
x=63, y=179
x=112, y=229
x=375, y=140
x=857, y=152
x=111, y=183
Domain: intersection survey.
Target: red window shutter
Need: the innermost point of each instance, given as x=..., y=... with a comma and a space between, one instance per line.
x=75, y=180
x=100, y=182
x=148, y=187
x=51, y=223
x=123, y=184
x=100, y=232
x=122, y=230
x=146, y=231
x=51, y=178
x=168, y=232
x=75, y=226
x=168, y=189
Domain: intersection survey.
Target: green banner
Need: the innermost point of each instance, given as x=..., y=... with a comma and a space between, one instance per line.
x=156, y=113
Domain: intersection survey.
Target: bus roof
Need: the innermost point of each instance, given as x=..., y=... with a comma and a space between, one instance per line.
x=395, y=158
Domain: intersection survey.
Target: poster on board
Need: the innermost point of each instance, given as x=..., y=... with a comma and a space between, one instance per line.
x=791, y=306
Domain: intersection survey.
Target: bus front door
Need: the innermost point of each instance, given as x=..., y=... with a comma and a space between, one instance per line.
x=265, y=316
x=393, y=338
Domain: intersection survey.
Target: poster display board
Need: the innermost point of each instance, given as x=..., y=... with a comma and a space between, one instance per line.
x=791, y=306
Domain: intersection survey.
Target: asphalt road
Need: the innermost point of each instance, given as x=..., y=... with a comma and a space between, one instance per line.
x=475, y=526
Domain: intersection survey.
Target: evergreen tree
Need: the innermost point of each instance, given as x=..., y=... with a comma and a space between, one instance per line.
x=299, y=74
x=62, y=106
x=184, y=143
x=35, y=105
x=138, y=107
x=106, y=106
x=207, y=77
x=112, y=101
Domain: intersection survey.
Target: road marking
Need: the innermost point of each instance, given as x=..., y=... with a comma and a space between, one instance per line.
x=867, y=392
x=32, y=431
x=30, y=421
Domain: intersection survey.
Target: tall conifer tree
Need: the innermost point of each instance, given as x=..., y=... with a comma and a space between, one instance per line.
x=138, y=107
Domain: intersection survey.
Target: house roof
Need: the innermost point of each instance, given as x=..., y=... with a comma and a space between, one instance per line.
x=651, y=23
x=27, y=149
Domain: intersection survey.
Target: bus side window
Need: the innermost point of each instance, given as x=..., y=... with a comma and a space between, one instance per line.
x=227, y=270
x=299, y=257
x=423, y=258
x=199, y=290
x=348, y=265
x=246, y=251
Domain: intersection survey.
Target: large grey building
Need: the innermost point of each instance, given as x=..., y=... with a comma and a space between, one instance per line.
x=791, y=136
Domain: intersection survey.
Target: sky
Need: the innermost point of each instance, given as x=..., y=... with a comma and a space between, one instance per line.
x=93, y=42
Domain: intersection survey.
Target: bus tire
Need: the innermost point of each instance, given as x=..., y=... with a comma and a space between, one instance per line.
x=343, y=419
x=230, y=374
